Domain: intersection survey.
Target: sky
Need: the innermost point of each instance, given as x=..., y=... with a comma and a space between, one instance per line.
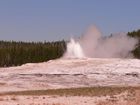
x=51, y=20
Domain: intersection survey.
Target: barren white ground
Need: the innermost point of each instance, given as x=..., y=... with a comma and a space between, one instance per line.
x=49, y=100
x=66, y=73
x=54, y=100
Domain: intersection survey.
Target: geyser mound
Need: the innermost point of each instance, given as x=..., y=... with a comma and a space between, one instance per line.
x=94, y=45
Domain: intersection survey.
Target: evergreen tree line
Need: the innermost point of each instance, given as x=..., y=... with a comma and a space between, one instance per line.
x=18, y=53
x=136, y=51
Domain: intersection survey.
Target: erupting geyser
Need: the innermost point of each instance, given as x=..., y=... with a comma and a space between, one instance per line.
x=74, y=50
x=92, y=44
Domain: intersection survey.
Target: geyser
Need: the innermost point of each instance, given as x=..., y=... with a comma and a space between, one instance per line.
x=92, y=44
x=74, y=50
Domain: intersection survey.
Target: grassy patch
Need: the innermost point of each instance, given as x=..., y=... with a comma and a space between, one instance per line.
x=85, y=91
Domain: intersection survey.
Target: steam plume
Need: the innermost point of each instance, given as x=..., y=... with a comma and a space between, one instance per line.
x=92, y=44
x=74, y=50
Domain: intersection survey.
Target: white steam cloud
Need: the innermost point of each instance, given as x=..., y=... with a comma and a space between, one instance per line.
x=92, y=44
x=74, y=50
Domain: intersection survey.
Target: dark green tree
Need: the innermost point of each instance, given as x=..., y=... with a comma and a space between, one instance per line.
x=136, y=34
x=17, y=53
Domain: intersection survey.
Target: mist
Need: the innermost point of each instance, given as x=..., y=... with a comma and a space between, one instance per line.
x=93, y=44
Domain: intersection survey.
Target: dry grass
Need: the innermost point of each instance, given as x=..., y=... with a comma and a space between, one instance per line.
x=85, y=91
x=131, y=99
x=1, y=83
x=116, y=95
